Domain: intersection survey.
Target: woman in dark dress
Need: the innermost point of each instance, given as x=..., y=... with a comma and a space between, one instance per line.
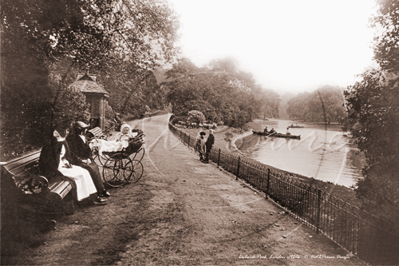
x=57, y=162
x=80, y=148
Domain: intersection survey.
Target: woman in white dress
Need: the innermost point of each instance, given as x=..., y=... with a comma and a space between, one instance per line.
x=54, y=163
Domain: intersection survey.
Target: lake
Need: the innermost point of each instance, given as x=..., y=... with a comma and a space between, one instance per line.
x=325, y=154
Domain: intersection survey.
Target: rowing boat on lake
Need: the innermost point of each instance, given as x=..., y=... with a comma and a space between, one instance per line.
x=277, y=135
x=295, y=126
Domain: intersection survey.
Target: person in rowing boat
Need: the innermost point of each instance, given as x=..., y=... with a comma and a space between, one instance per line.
x=272, y=131
x=265, y=130
x=288, y=133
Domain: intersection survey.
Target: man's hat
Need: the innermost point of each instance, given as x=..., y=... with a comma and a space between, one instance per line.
x=202, y=133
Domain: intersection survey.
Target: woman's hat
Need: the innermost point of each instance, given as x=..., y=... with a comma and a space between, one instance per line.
x=202, y=133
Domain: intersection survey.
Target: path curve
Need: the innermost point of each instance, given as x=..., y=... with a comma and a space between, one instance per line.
x=183, y=212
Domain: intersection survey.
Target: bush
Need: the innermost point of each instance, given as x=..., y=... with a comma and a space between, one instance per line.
x=25, y=126
x=196, y=116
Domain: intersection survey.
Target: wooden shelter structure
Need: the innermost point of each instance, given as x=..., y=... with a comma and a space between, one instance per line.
x=95, y=96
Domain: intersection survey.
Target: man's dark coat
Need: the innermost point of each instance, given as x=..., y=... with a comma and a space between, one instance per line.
x=209, y=142
x=81, y=151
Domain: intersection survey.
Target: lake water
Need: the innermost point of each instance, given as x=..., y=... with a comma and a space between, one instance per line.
x=324, y=154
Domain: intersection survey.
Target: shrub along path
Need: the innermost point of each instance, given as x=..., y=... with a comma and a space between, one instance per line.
x=183, y=212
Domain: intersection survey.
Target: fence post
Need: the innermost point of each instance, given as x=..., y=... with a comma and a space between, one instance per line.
x=238, y=167
x=189, y=140
x=318, y=210
x=268, y=181
x=219, y=158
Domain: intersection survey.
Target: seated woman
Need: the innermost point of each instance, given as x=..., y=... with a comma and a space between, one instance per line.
x=54, y=162
x=81, y=150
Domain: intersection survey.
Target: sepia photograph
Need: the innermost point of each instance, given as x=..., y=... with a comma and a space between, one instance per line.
x=186, y=132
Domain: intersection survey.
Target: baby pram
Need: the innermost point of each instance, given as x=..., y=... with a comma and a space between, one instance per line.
x=124, y=166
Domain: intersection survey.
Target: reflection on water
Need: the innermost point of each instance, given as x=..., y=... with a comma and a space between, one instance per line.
x=322, y=154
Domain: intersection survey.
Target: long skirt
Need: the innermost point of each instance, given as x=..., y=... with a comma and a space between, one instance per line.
x=82, y=179
x=95, y=175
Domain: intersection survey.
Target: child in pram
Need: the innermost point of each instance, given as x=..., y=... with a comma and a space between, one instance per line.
x=117, y=142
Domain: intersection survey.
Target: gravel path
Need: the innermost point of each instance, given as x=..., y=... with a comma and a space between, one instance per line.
x=183, y=212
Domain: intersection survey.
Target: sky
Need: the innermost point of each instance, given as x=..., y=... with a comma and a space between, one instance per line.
x=288, y=45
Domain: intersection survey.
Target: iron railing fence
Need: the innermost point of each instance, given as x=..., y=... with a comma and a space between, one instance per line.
x=349, y=227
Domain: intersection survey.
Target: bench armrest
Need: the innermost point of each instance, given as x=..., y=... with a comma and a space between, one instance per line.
x=38, y=184
x=34, y=184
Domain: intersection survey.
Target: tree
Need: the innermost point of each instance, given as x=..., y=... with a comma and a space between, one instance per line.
x=386, y=49
x=284, y=105
x=96, y=33
x=119, y=40
x=309, y=106
x=373, y=105
x=220, y=90
x=196, y=116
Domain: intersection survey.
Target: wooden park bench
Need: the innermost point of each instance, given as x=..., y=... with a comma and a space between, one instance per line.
x=20, y=180
x=96, y=132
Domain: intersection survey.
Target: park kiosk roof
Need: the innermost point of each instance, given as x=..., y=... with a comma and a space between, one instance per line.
x=87, y=84
x=95, y=96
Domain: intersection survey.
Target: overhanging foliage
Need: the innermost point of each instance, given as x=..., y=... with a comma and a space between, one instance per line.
x=373, y=105
x=118, y=40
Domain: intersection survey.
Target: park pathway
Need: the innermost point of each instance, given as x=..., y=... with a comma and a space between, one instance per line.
x=182, y=212
x=211, y=218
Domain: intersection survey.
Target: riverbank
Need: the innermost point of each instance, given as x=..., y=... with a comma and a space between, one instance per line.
x=226, y=139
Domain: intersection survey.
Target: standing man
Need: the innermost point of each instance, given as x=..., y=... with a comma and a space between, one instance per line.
x=209, y=144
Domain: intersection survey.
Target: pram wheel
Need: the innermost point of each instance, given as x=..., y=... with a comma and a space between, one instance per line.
x=117, y=170
x=100, y=160
x=138, y=156
x=134, y=171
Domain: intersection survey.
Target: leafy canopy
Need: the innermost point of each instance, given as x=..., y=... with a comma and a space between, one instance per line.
x=373, y=105
x=220, y=91
x=119, y=40
x=309, y=106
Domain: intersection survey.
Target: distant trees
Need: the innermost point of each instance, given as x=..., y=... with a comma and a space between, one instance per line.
x=309, y=106
x=284, y=105
x=373, y=105
x=44, y=43
x=220, y=91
